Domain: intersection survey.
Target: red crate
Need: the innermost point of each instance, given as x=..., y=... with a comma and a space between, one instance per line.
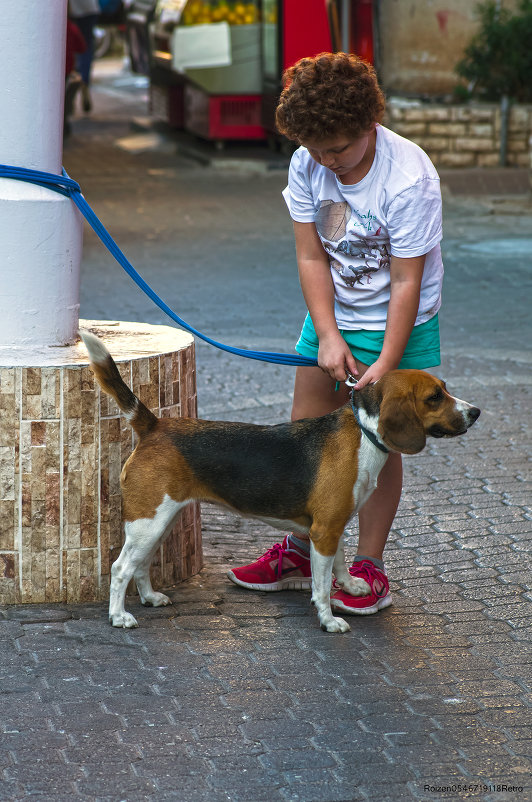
x=223, y=116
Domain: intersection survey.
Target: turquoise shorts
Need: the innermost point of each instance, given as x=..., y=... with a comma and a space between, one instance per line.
x=422, y=349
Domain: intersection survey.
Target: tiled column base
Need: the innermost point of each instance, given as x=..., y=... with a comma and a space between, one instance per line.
x=62, y=447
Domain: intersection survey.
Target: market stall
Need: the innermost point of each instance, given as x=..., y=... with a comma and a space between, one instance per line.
x=206, y=67
x=217, y=47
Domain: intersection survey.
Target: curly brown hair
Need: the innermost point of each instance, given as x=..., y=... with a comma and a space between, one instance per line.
x=330, y=95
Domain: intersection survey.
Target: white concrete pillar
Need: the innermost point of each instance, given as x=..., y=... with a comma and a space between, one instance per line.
x=40, y=230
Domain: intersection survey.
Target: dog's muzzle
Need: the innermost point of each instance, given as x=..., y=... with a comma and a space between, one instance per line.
x=468, y=416
x=473, y=414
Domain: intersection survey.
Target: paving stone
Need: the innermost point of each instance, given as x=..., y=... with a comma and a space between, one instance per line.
x=10, y=790
x=330, y=790
x=295, y=759
x=506, y=702
x=39, y=775
x=256, y=782
x=124, y=787
x=373, y=776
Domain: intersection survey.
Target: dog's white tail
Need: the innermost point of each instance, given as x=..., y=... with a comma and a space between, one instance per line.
x=108, y=377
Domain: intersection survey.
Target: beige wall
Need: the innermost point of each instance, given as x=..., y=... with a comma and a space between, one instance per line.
x=420, y=41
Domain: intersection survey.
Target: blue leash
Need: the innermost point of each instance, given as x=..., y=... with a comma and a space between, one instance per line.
x=66, y=186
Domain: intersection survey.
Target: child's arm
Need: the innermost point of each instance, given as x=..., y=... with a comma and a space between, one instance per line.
x=405, y=275
x=334, y=356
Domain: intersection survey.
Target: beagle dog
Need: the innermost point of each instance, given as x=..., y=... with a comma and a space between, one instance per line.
x=309, y=476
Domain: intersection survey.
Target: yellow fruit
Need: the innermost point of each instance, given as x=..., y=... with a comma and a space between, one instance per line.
x=223, y=11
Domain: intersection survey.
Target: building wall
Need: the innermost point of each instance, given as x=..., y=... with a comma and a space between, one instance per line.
x=420, y=41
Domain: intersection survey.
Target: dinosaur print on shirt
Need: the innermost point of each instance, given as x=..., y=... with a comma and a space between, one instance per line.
x=369, y=252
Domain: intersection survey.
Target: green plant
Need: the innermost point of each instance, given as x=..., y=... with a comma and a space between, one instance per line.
x=498, y=60
x=461, y=94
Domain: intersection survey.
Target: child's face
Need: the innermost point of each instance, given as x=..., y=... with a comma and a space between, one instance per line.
x=340, y=154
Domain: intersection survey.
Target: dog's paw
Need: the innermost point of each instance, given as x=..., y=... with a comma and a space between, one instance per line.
x=355, y=586
x=155, y=599
x=124, y=620
x=334, y=624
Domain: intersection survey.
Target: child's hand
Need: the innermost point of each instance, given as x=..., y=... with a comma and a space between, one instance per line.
x=372, y=374
x=335, y=358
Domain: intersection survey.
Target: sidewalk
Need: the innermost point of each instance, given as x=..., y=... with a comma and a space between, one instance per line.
x=232, y=695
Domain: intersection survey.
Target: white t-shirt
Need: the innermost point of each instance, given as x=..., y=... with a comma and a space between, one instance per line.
x=394, y=210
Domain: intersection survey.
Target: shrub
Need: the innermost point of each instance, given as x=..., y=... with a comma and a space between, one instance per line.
x=498, y=60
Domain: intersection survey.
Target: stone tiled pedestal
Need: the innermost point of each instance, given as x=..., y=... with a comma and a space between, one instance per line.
x=62, y=447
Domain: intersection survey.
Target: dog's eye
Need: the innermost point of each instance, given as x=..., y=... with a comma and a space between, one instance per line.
x=436, y=396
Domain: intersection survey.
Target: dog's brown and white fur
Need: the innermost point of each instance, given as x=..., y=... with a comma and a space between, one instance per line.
x=309, y=476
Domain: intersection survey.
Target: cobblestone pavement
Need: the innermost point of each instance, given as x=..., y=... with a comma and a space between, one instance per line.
x=232, y=695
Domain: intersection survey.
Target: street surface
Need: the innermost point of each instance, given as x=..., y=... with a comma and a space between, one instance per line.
x=233, y=695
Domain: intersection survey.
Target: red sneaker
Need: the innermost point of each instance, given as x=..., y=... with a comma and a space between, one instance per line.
x=378, y=598
x=281, y=568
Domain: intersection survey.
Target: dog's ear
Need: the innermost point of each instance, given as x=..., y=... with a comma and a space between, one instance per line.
x=400, y=427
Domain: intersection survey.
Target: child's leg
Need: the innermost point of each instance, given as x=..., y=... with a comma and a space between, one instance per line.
x=375, y=519
x=315, y=395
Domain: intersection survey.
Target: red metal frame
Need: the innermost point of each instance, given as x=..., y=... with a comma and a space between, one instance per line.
x=306, y=30
x=361, y=33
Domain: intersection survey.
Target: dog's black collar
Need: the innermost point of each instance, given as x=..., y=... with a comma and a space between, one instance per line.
x=371, y=437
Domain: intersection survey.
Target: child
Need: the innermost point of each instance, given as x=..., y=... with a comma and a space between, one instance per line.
x=366, y=208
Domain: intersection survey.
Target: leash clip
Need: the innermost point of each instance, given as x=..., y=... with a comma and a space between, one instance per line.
x=350, y=381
